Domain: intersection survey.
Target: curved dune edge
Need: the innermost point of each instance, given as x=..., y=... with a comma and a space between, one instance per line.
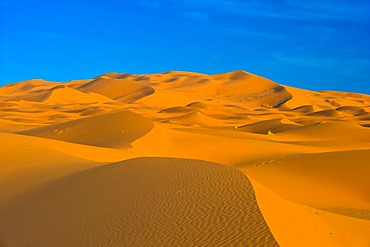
x=298, y=225
x=300, y=185
x=111, y=130
x=28, y=162
x=323, y=180
x=140, y=202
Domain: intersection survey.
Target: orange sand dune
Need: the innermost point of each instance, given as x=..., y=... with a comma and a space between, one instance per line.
x=24, y=87
x=124, y=90
x=27, y=162
x=295, y=177
x=117, y=130
x=140, y=202
x=67, y=167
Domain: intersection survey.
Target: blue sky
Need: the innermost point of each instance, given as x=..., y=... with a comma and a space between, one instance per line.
x=316, y=44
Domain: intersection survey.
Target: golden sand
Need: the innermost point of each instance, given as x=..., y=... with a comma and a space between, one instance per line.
x=182, y=159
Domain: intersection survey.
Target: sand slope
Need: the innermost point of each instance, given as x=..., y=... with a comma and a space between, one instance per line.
x=118, y=89
x=117, y=130
x=310, y=179
x=28, y=162
x=307, y=154
x=140, y=202
x=298, y=225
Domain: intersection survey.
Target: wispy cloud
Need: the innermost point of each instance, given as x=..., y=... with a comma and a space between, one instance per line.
x=358, y=11
x=288, y=9
x=253, y=33
x=345, y=66
x=329, y=9
x=196, y=15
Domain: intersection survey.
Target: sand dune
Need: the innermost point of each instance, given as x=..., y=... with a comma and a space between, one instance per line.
x=299, y=178
x=298, y=225
x=117, y=130
x=117, y=89
x=81, y=160
x=28, y=162
x=64, y=95
x=22, y=87
x=268, y=127
x=140, y=202
x=335, y=130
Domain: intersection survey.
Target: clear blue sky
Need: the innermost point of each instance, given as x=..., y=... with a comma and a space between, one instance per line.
x=313, y=44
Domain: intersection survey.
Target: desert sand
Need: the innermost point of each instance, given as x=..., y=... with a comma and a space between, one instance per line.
x=183, y=159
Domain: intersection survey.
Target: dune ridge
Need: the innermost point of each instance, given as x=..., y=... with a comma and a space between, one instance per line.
x=167, y=159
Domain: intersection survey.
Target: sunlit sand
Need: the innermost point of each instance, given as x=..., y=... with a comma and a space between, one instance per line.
x=183, y=159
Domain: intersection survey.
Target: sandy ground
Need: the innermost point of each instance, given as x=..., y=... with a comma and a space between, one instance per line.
x=183, y=159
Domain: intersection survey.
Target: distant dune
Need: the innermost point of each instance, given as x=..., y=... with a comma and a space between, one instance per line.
x=183, y=159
